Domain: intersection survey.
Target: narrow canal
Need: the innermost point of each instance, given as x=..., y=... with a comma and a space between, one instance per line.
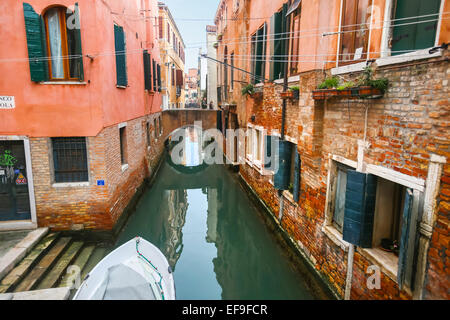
x=213, y=237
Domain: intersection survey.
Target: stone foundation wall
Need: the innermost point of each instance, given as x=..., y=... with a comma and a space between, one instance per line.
x=93, y=207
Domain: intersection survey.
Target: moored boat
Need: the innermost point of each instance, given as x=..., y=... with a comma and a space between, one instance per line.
x=137, y=270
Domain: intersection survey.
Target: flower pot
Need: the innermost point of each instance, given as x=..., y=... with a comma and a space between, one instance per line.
x=287, y=95
x=215, y=45
x=318, y=95
x=344, y=93
x=219, y=37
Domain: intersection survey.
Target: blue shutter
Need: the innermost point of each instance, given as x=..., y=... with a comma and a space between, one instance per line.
x=275, y=31
x=79, y=51
x=404, y=238
x=282, y=176
x=359, y=208
x=36, y=45
x=297, y=168
x=121, y=62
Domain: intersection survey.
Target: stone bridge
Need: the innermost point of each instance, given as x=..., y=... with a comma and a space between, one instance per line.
x=174, y=119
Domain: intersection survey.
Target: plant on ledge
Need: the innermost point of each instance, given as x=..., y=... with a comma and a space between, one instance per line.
x=248, y=90
x=291, y=93
x=364, y=87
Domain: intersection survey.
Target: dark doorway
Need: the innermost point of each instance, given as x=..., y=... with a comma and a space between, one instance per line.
x=14, y=197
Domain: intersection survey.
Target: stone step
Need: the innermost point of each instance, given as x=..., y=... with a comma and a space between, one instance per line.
x=19, y=272
x=80, y=264
x=46, y=294
x=55, y=273
x=14, y=255
x=96, y=257
x=40, y=270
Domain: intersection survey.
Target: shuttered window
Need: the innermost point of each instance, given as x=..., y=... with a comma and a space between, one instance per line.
x=258, y=48
x=123, y=145
x=57, y=34
x=279, y=44
x=121, y=58
x=154, y=75
x=412, y=34
x=160, y=27
x=294, y=14
x=282, y=176
x=70, y=160
x=159, y=77
x=147, y=71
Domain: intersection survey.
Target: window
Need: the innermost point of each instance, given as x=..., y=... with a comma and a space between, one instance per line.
x=147, y=132
x=54, y=39
x=258, y=60
x=168, y=32
x=160, y=125
x=123, y=145
x=160, y=27
x=354, y=31
x=279, y=44
x=294, y=41
x=413, y=34
x=70, y=160
x=374, y=213
x=339, y=206
x=232, y=71
x=249, y=143
x=155, y=127
x=121, y=58
x=147, y=71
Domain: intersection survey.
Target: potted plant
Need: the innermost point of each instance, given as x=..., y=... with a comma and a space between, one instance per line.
x=248, y=90
x=219, y=37
x=326, y=88
x=390, y=245
x=216, y=45
x=345, y=89
x=287, y=94
x=296, y=92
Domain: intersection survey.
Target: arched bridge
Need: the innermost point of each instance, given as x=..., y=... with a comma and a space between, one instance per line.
x=178, y=118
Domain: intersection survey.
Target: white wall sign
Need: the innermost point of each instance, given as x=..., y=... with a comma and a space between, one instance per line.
x=7, y=102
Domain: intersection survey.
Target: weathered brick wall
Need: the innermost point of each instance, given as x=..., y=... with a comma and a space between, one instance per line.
x=95, y=207
x=404, y=127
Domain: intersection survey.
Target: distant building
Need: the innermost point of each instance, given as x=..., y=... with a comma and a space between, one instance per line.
x=192, y=94
x=211, y=78
x=172, y=51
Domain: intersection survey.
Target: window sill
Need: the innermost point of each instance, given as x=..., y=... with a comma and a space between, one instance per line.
x=70, y=184
x=77, y=83
x=388, y=261
x=290, y=79
x=334, y=235
x=390, y=60
x=124, y=167
x=288, y=196
x=121, y=87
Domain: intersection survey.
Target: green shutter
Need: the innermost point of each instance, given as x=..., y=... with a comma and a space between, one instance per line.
x=409, y=34
x=121, y=62
x=154, y=74
x=219, y=120
x=275, y=34
x=285, y=42
x=147, y=73
x=159, y=78
x=36, y=47
x=79, y=52
x=282, y=176
x=297, y=168
x=359, y=208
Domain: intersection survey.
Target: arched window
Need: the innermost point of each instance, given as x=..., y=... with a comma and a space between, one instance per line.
x=63, y=44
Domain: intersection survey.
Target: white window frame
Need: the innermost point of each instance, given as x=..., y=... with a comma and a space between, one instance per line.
x=25, y=224
x=385, y=56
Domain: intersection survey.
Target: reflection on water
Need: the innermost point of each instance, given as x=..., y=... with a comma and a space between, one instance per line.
x=213, y=237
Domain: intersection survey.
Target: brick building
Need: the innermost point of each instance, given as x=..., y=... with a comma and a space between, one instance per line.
x=364, y=170
x=81, y=126
x=173, y=58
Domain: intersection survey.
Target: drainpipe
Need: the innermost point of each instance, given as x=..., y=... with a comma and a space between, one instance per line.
x=283, y=122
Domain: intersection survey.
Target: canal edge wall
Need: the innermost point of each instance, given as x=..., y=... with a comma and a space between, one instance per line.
x=321, y=285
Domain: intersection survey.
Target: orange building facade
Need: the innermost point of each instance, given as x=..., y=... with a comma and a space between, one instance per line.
x=80, y=124
x=397, y=142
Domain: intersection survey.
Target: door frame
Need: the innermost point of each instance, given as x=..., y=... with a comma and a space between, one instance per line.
x=25, y=224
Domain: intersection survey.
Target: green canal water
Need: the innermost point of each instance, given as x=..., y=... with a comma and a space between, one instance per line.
x=213, y=237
